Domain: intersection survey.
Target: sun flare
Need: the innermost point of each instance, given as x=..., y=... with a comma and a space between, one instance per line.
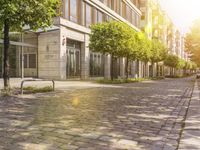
x=182, y=12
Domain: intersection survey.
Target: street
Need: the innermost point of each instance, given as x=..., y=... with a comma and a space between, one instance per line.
x=137, y=116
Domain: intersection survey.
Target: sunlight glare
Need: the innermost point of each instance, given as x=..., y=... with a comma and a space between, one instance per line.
x=182, y=12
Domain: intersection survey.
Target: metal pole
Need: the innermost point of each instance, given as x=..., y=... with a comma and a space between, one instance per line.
x=22, y=58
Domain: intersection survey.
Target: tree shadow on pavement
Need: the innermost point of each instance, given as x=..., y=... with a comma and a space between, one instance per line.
x=97, y=118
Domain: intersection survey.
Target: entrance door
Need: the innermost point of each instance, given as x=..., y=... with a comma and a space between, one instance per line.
x=73, y=62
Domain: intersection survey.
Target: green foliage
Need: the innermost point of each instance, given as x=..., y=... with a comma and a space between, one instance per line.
x=158, y=50
x=178, y=63
x=115, y=38
x=34, y=13
x=194, y=66
x=171, y=61
x=192, y=42
x=121, y=81
x=181, y=63
x=144, y=47
x=31, y=89
x=188, y=65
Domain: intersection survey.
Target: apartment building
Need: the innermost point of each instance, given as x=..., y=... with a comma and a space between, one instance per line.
x=62, y=52
x=156, y=24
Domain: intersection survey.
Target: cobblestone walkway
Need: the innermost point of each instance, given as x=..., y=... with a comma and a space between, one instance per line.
x=139, y=116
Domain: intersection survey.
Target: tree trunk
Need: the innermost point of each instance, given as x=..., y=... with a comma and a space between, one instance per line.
x=6, y=75
x=127, y=71
x=112, y=67
x=157, y=70
x=152, y=69
x=145, y=70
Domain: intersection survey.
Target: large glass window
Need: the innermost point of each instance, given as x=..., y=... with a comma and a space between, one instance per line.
x=67, y=9
x=88, y=15
x=124, y=10
x=118, y=7
x=94, y=16
x=128, y=13
x=73, y=58
x=96, y=64
x=73, y=10
x=99, y=17
x=30, y=61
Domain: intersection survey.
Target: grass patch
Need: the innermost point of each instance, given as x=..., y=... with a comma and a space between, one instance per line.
x=32, y=89
x=120, y=81
x=157, y=78
x=178, y=76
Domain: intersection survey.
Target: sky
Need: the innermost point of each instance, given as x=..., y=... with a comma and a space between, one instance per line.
x=182, y=12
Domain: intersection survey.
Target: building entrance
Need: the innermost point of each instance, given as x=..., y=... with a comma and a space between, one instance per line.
x=73, y=59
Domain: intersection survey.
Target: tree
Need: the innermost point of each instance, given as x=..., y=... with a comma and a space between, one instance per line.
x=130, y=51
x=114, y=38
x=171, y=61
x=15, y=14
x=159, y=52
x=192, y=43
x=181, y=64
x=144, y=48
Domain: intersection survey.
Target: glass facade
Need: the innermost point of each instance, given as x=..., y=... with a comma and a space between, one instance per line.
x=81, y=12
x=96, y=65
x=73, y=59
x=21, y=45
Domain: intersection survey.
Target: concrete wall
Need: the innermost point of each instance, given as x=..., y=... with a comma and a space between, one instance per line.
x=49, y=55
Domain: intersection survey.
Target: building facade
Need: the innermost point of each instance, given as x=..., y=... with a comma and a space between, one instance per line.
x=62, y=52
x=156, y=24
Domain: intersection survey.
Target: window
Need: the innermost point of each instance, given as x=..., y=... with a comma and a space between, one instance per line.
x=96, y=64
x=99, y=17
x=73, y=10
x=88, y=15
x=134, y=15
x=128, y=13
x=123, y=10
x=94, y=15
x=25, y=61
x=67, y=9
x=118, y=7
x=30, y=61
x=113, y=7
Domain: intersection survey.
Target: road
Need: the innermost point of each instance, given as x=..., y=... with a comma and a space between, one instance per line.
x=136, y=116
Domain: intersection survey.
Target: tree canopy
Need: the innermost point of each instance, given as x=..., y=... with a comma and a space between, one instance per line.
x=192, y=42
x=36, y=14
x=171, y=60
x=158, y=50
x=144, y=47
x=16, y=14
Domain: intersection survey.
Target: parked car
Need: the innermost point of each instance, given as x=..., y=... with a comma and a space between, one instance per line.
x=198, y=75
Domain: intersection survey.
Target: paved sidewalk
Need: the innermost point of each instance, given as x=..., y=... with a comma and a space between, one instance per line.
x=59, y=85
x=136, y=116
x=191, y=133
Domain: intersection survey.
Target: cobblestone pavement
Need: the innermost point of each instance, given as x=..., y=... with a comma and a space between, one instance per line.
x=190, y=137
x=138, y=116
